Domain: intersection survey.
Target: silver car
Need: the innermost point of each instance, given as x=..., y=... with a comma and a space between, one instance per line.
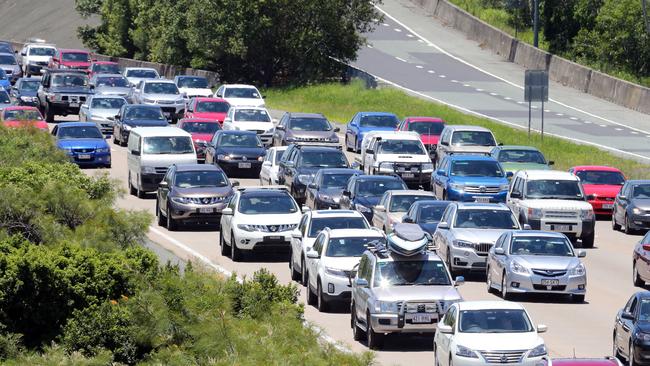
x=10, y=66
x=137, y=74
x=163, y=93
x=101, y=109
x=467, y=232
x=110, y=84
x=536, y=262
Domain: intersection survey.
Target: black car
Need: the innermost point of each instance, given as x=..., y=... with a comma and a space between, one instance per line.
x=426, y=213
x=24, y=92
x=63, y=92
x=631, y=211
x=326, y=188
x=236, y=152
x=364, y=192
x=304, y=162
x=136, y=115
x=632, y=330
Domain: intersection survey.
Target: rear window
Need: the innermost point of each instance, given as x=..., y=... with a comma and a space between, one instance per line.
x=321, y=223
x=142, y=74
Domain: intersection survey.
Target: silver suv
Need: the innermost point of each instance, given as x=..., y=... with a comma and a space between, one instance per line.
x=456, y=139
x=163, y=93
x=394, y=293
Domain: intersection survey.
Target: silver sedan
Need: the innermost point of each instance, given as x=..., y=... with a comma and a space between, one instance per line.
x=101, y=109
x=536, y=262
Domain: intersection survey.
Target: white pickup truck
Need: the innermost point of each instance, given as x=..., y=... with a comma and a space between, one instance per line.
x=552, y=200
x=35, y=56
x=397, y=152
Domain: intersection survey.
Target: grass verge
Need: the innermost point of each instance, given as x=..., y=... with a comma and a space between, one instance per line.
x=340, y=102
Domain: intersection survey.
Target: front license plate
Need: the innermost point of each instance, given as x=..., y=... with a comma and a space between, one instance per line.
x=244, y=165
x=608, y=205
x=167, y=115
x=206, y=210
x=83, y=156
x=408, y=175
x=74, y=104
x=561, y=228
x=421, y=318
x=274, y=238
x=482, y=199
x=550, y=282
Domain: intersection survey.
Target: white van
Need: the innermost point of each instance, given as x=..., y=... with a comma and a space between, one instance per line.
x=151, y=150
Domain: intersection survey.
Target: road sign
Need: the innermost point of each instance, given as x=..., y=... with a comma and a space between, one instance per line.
x=536, y=86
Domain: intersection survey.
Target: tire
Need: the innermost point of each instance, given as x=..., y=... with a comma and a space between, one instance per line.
x=303, y=272
x=235, y=253
x=504, y=288
x=636, y=279
x=295, y=275
x=627, y=229
x=172, y=224
x=321, y=304
x=488, y=281
x=588, y=242
x=131, y=188
x=374, y=340
x=162, y=220
x=452, y=271
x=630, y=356
x=347, y=148
x=49, y=114
x=354, y=148
x=615, y=351
x=578, y=299
x=115, y=141
x=139, y=193
x=223, y=245
x=615, y=225
x=311, y=298
x=445, y=196
x=357, y=333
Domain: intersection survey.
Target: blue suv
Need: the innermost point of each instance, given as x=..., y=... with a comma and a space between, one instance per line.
x=364, y=122
x=471, y=178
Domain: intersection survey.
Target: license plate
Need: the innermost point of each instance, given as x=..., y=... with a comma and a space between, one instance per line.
x=83, y=156
x=408, y=175
x=74, y=104
x=608, y=205
x=275, y=238
x=244, y=165
x=421, y=318
x=550, y=282
x=482, y=199
x=206, y=210
x=561, y=228
x=167, y=114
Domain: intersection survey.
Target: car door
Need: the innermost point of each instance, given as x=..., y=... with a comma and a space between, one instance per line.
x=517, y=187
x=296, y=244
x=219, y=92
x=379, y=216
x=163, y=192
x=265, y=171
x=229, y=120
x=290, y=171
x=624, y=333
x=368, y=158
x=133, y=159
x=441, y=236
x=226, y=220
x=443, y=341
x=620, y=203
x=351, y=131
x=498, y=262
x=312, y=263
x=440, y=179
x=443, y=145
x=210, y=150
x=643, y=261
x=356, y=293
x=365, y=292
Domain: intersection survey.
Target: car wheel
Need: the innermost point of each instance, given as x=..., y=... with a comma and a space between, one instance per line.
x=162, y=222
x=630, y=356
x=115, y=139
x=615, y=351
x=636, y=279
x=504, y=288
x=627, y=229
x=445, y=197
x=615, y=225
x=223, y=245
x=347, y=146
x=311, y=298
x=452, y=271
x=140, y=193
x=375, y=340
x=357, y=333
x=295, y=275
x=172, y=225
x=588, y=241
x=303, y=272
x=49, y=114
x=321, y=303
x=488, y=280
x=355, y=146
x=235, y=253
x=578, y=299
x=131, y=188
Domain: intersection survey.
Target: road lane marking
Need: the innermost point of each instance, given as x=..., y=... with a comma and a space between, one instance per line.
x=442, y=76
x=467, y=85
x=507, y=98
x=478, y=90
x=454, y=81
x=369, y=45
x=410, y=35
x=401, y=59
x=419, y=66
x=573, y=118
x=494, y=94
x=618, y=129
x=397, y=30
x=431, y=72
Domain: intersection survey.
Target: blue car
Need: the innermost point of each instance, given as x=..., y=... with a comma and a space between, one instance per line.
x=84, y=144
x=426, y=213
x=364, y=122
x=363, y=192
x=471, y=178
x=5, y=83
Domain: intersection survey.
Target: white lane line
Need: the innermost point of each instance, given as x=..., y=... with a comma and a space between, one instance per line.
x=397, y=30
x=603, y=125
x=454, y=81
x=419, y=66
x=494, y=94
x=573, y=118
x=618, y=129
x=401, y=59
x=478, y=90
x=442, y=76
x=431, y=72
x=369, y=45
x=559, y=114
x=386, y=25
x=421, y=41
x=430, y=44
x=547, y=110
x=587, y=122
x=507, y=98
x=634, y=132
x=467, y=85
x=521, y=102
x=410, y=35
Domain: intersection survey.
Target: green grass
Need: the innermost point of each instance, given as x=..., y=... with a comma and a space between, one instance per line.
x=340, y=102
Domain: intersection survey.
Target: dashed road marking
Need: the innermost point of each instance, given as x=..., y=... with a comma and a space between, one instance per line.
x=454, y=81
x=419, y=66
x=442, y=76
x=478, y=90
x=431, y=72
x=634, y=132
x=401, y=59
x=573, y=118
x=618, y=129
x=410, y=35
x=467, y=85
x=494, y=94
x=397, y=30
x=559, y=114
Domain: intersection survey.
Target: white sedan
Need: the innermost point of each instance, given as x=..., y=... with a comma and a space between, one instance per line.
x=270, y=167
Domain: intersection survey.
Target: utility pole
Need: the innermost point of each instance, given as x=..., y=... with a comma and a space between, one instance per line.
x=536, y=22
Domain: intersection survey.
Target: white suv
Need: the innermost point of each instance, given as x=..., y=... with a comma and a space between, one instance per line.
x=311, y=223
x=552, y=200
x=330, y=263
x=256, y=119
x=35, y=57
x=240, y=95
x=258, y=217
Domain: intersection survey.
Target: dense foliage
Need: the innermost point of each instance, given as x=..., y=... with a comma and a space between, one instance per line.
x=265, y=41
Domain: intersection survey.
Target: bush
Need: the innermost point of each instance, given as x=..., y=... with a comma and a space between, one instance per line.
x=257, y=298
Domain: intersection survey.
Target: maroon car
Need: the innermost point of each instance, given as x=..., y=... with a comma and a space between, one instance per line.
x=202, y=130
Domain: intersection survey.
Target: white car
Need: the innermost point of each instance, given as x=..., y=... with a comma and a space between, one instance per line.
x=270, y=167
x=486, y=333
x=393, y=205
x=193, y=86
x=35, y=56
x=258, y=217
x=136, y=74
x=255, y=119
x=311, y=223
x=331, y=261
x=240, y=95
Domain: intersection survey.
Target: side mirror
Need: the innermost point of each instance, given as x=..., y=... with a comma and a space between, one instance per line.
x=135, y=152
x=347, y=193
x=54, y=59
x=164, y=184
x=528, y=227
x=515, y=194
x=296, y=234
x=622, y=197
x=267, y=163
x=541, y=328
x=441, y=172
x=582, y=253
x=313, y=186
x=445, y=329
x=355, y=165
x=279, y=127
x=336, y=129
x=444, y=143
x=499, y=251
x=289, y=164
x=117, y=117
x=370, y=151
x=551, y=162
x=23, y=53
x=443, y=225
x=92, y=86
x=627, y=315
x=235, y=183
x=110, y=118
x=305, y=209
x=509, y=174
x=590, y=197
x=312, y=254
x=361, y=282
x=500, y=144
x=407, y=220
x=227, y=211
x=460, y=280
x=380, y=208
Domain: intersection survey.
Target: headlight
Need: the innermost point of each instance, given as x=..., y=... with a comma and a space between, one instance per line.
x=387, y=167
x=458, y=186
x=362, y=208
x=463, y=244
x=579, y=270
x=386, y=307
x=637, y=211
x=504, y=187
x=28, y=99
x=335, y=272
x=183, y=200
x=463, y=351
x=304, y=178
x=290, y=139
x=223, y=157
x=644, y=337
x=103, y=150
x=535, y=213
x=246, y=227
x=126, y=127
x=260, y=158
x=326, y=198
x=516, y=267
x=538, y=351
x=587, y=214
x=148, y=169
x=427, y=166
x=147, y=100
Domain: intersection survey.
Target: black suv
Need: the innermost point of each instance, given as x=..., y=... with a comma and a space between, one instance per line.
x=236, y=151
x=62, y=92
x=364, y=192
x=131, y=116
x=326, y=188
x=304, y=162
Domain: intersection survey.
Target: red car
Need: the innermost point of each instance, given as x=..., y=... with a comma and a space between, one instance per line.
x=606, y=361
x=209, y=108
x=429, y=129
x=601, y=185
x=22, y=116
x=104, y=67
x=202, y=130
x=70, y=59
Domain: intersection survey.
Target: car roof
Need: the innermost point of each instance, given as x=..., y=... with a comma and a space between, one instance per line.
x=425, y=119
x=247, y=107
x=239, y=86
x=392, y=257
x=197, y=167
x=166, y=81
x=375, y=177
x=481, y=305
x=279, y=148
x=19, y=107
x=261, y=191
x=431, y=203
x=334, y=213
x=603, y=168
x=77, y=124
x=306, y=115
x=547, y=174
x=71, y=50
x=99, y=62
x=517, y=147
x=108, y=76
x=207, y=120
x=410, y=192
x=66, y=71
x=236, y=132
x=477, y=206
x=107, y=96
x=395, y=135
x=364, y=114
x=150, y=106
x=537, y=233
x=305, y=148
x=338, y=170
x=358, y=233
x=467, y=128
x=457, y=157
x=160, y=132
x=210, y=99
x=190, y=76
x=140, y=68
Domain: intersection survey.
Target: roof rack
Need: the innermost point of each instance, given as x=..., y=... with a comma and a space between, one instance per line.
x=407, y=240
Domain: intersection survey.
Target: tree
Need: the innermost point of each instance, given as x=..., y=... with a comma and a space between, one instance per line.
x=559, y=24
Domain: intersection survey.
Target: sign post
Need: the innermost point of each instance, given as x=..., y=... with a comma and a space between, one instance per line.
x=536, y=90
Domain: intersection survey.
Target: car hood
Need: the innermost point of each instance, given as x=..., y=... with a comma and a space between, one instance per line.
x=369, y=202
x=471, y=149
x=364, y=130
x=430, y=139
x=342, y=263
x=204, y=191
x=480, y=181
x=166, y=97
x=429, y=227
x=207, y=137
x=270, y=219
x=416, y=293
x=311, y=134
x=499, y=341
x=478, y=235
x=70, y=89
x=42, y=125
x=81, y=143
x=602, y=190
x=253, y=126
x=214, y=116
x=146, y=123
x=515, y=167
x=245, y=102
x=547, y=262
x=241, y=151
x=642, y=203
x=201, y=92
x=104, y=112
x=112, y=90
x=560, y=205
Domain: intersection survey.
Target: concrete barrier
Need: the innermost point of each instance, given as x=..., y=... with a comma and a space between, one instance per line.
x=531, y=58
x=619, y=91
x=569, y=73
x=429, y=6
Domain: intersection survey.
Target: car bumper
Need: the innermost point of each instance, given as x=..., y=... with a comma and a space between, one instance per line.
x=64, y=108
x=641, y=352
x=481, y=361
x=391, y=323
x=197, y=213
x=457, y=195
x=240, y=165
x=639, y=222
x=90, y=159
x=602, y=207
x=336, y=287
x=567, y=226
x=34, y=69
x=468, y=259
x=258, y=240
x=267, y=139
x=105, y=126
x=572, y=285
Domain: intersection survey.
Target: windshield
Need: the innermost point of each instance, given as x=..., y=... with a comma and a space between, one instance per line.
x=349, y=247
x=521, y=156
x=476, y=168
x=214, y=107
x=318, y=224
x=140, y=73
x=601, y=177
x=196, y=179
x=252, y=115
x=242, y=93
x=485, y=219
x=401, y=147
x=338, y=180
x=7, y=60
x=113, y=81
x=641, y=191
x=79, y=132
x=5, y=47
x=379, y=121
x=322, y=160
x=408, y=273
x=106, y=68
x=69, y=80
x=426, y=128
x=644, y=310
x=168, y=145
x=558, y=247
x=75, y=57
x=553, y=189
x=29, y=85
x=201, y=127
x=22, y=115
x=432, y=213
x=309, y=124
x=42, y=51
x=267, y=204
x=4, y=97
x=192, y=82
x=145, y=113
x=402, y=203
x=161, y=88
x=377, y=187
x=472, y=138
x=233, y=140
x=107, y=103
x=494, y=321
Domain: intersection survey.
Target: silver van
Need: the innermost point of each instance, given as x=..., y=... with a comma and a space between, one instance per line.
x=457, y=139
